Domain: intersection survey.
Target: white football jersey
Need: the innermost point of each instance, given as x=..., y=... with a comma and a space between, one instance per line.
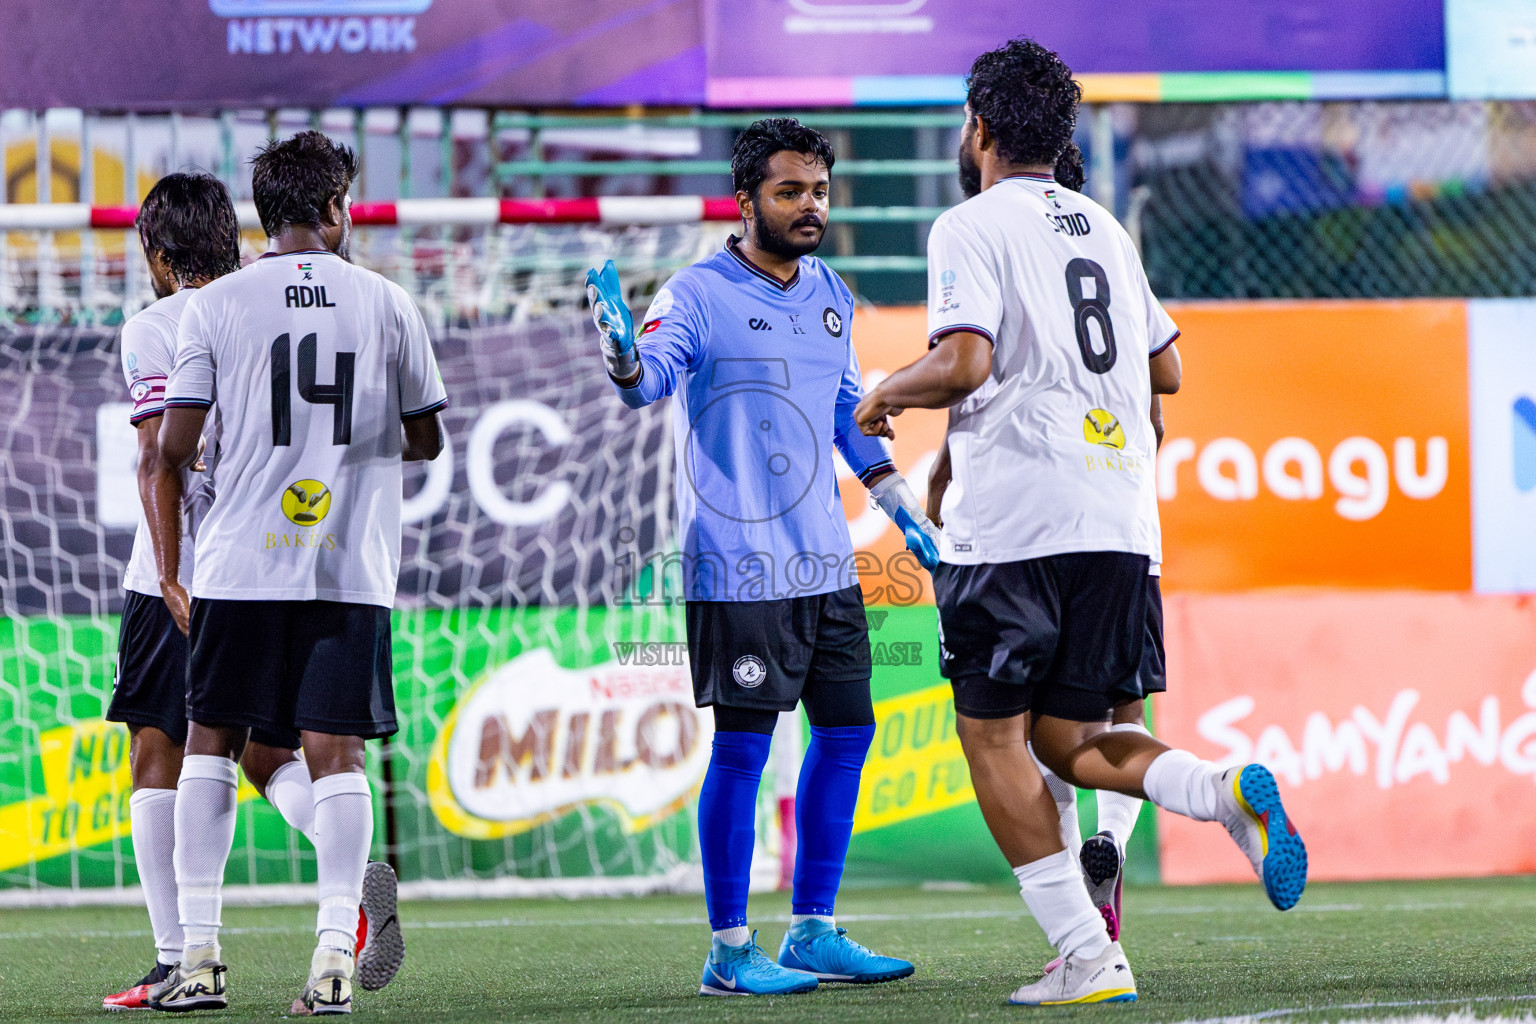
x=149, y=351
x=313, y=363
x=1054, y=453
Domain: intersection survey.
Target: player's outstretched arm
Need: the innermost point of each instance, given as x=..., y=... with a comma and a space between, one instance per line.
x=959, y=364
x=615, y=326
x=167, y=445
x=674, y=329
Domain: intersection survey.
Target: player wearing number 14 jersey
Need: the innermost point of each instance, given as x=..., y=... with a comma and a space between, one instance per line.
x=1046, y=346
x=315, y=364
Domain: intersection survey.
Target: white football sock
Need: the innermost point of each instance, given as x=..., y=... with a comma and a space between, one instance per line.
x=1065, y=795
x=1180, y=782
x=1118, y=812
x=205, y=830
x=290, y=791
x=152, y=819
x=1053, y=890
x=343, y=832
x=738, y=936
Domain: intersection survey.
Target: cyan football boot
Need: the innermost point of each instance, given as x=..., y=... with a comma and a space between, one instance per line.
x=747, y=971
x=1256, y=819
x=825, y=951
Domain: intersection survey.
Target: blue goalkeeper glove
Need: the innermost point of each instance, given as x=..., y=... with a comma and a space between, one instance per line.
x=896, y=499
x=614, y=323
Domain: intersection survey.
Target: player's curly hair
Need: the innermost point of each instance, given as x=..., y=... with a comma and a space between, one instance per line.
x=1028, y=98
x=293, y=181
x=1069, y=168
x=762, y=139
x=189, y=219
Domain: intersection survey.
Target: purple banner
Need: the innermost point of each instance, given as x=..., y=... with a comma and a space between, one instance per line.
x=206, y=54
x=839, y=39
x=203, y=54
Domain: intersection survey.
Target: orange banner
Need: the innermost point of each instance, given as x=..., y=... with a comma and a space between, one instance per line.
x=1401, y=727
x=1318, y=444
x=1313, y=444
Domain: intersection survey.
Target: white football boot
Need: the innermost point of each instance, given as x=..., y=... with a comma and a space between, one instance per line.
x=1104, y=979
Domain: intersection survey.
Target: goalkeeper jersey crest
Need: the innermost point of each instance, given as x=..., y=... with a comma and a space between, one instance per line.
x=313, y=362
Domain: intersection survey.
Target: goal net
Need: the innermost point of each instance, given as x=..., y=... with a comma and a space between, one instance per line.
x=548, y=737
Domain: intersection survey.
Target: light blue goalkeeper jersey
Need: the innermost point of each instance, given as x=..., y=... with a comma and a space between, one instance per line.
x=766, y=382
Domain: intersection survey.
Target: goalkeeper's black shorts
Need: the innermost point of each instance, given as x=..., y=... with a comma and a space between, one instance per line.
x=766, y=655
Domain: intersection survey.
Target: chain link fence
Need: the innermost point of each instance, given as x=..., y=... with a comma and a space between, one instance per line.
x=1333, y=200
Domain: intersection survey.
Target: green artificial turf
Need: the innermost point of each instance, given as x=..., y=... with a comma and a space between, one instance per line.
x=1349, y=951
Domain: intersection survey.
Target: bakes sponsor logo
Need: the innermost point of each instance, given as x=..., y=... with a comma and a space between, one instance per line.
x=306, y=502
x=1391, y=745
x=1360, y=472
x=261, y=27
x=534, y=741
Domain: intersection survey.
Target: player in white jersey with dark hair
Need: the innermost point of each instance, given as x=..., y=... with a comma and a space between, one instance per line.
x=318, y=368
x=1045, y=343
x=1102, y=855
x=191, y=237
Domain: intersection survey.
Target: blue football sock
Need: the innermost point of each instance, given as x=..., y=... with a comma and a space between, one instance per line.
x=824, y=805
x=727, y=824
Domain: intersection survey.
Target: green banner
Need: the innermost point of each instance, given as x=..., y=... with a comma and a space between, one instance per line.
x=536, y=743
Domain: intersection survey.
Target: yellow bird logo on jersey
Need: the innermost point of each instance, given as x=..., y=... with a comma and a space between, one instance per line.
x=1102, y=427
x=306, y=502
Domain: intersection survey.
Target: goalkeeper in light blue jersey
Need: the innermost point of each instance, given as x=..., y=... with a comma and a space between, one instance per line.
x=755, y=344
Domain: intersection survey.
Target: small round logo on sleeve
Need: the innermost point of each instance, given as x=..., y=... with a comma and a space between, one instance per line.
x=832, y=322
x=139, y=391
x=306, y=502
x=749, y=671
x=660, y=306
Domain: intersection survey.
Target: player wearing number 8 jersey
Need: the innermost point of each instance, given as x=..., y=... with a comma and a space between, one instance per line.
x=315, y=364
x=1046, y=346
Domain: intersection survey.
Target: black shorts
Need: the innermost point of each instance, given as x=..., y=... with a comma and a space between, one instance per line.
x=151, y=684
x=285, y=666
x=1060, y=636
x=767, y=654
x=1153, y=674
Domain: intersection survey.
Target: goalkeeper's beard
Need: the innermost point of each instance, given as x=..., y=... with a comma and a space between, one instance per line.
x=769, y=240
